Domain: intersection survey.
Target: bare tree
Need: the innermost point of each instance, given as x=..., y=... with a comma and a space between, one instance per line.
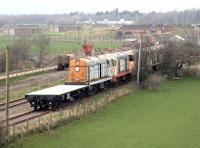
x=2, y=62
x=42, y=42
x=19, y=54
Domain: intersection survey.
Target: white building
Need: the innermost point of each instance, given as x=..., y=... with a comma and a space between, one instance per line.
x=121, y=22
x=8, y=29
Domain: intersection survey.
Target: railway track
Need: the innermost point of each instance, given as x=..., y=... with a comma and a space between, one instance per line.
x=25, y=116
x=13, y=104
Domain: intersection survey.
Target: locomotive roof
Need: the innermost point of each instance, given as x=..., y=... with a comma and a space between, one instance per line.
x=102, y=58
x=93, y=60
x=57, y=90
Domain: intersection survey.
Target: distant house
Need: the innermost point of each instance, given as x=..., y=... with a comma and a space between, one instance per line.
x=115, y=22
x=29, y=29
x=137, y=30
x=8, y=29
x=160, y=29
x=53, y=28
x=167, y=28
x=69, y=27
x=133, y=30
x=196, y=26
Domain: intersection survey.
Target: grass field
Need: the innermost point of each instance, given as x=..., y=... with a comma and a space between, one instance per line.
x=59, y=47
x=167, y=117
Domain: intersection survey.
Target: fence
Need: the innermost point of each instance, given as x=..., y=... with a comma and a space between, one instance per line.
x=77, y=110
x=192, y=71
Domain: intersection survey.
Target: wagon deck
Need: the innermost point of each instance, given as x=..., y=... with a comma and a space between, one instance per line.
x=57, y=90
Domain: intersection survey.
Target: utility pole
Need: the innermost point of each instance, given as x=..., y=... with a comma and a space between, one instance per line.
x=139, y=61
x=7, y=91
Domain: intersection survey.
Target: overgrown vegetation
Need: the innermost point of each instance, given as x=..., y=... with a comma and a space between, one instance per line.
x=18, y=55
x=169, y=60
x=42, y=43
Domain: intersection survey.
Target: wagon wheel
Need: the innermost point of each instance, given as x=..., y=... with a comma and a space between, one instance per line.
x=35, y=107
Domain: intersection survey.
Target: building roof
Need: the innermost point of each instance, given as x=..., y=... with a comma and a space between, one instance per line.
x=134, y=27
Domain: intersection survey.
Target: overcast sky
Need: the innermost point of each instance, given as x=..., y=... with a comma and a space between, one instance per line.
x=66, y=6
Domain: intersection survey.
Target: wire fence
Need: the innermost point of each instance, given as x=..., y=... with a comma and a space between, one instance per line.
x=191, y=71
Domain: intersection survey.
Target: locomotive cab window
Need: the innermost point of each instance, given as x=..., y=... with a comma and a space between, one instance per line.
x=113, y=62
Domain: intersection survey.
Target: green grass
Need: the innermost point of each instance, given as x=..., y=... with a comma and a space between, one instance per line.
x=60, y=47
x=4, y=44
x=168, y=117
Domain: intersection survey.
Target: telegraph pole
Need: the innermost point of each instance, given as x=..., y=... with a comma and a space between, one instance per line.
x=7, y=90
x=139, y=61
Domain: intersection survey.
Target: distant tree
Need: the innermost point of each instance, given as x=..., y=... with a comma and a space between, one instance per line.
x=2, y=62
x=145, y=69
x=19, y=54
x=169, y=64
x=42, y=42
x=2, y=133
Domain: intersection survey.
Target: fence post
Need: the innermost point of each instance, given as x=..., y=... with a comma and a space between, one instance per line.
x=78, y=106
x=60, y=114
x=27, y=125
x=50, y=120
x=39, y=121
x=69, y=112
x=90, y=106
x=65, y=114
x=13, y=132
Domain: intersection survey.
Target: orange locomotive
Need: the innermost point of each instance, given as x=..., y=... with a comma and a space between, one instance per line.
x=101, y=70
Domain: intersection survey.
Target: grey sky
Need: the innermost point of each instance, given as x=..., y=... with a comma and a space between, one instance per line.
x=66, y=6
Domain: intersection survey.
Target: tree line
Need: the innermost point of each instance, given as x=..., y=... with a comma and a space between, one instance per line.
x=173, y=17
